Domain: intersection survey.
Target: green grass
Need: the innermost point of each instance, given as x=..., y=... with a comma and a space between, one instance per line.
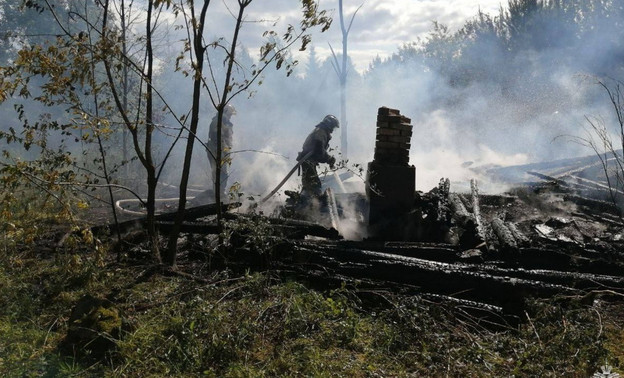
x=258, y=325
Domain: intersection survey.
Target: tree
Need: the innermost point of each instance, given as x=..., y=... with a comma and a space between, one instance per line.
x=275, y=51
x=341, y=71
x=607, y=141
x=20, y=26
x=110, y=47
x=89, y=59
x=60, y=75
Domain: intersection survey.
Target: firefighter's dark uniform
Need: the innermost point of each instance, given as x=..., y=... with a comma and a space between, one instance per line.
x=317, y=143
x=227, y=135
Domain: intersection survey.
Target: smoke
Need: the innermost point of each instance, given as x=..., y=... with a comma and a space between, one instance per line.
x=477, y=106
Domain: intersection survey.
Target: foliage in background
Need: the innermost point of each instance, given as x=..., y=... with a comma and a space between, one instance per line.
x=54, y=158
x=528, y=37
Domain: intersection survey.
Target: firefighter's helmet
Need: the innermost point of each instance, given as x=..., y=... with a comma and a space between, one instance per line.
x=229, y=110
x=330, y=122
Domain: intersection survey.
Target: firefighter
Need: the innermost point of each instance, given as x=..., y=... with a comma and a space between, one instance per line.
x=227, y=133
x=316, y=143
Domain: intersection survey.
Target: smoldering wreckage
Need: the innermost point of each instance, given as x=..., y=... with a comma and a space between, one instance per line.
x=556, y=232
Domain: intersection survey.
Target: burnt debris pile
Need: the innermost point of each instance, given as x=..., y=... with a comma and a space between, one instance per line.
x=538, y=240
x=491, y=250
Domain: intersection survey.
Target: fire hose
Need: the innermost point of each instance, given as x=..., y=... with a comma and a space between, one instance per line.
x=263, y=200
x=266, y=198
x=119, y=204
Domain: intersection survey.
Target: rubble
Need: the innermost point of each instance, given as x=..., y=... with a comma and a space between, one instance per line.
x=559, y=235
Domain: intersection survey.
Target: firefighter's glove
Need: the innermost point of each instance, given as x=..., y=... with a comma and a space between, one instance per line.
x=331, y=161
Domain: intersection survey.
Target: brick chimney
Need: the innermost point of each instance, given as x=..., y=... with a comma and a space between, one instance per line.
x=391, y=181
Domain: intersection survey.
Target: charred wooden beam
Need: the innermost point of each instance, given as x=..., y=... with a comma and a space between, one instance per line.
x=521, y=239
x=444, y=187
x=576, y=280
x=293, y=228
x=465, y=281
x=504, y=235
x=552, y=179
x=197, y=212
x=333, y=209
x=203, y=228
x=496, y=199
x=593, y=205
x=602, y=218
x=502, y=286
x=428, y=251
x=591, y=184
x=189, y=215
x=580, y=169
x=465, y=201
x=460, y=213
x=476, y=211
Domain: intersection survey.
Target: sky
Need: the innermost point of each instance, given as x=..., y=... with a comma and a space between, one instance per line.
x=379, y=28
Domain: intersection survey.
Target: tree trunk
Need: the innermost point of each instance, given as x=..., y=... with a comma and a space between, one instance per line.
x=170, y=256
x=344, y=145
x=124, y=89
x=149, y=119
x=221, y=107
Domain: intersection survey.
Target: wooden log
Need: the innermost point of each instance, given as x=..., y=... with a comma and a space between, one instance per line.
x=197, y=212
x=549, y=178
x=393, y=132
x=577, y=169
x=504, y=235
x=555, y=258
x=297, y=228
x=387, y=131
x=203, y=228
x=576, y=280
x=582, y=260
x=402, y=145
x=591, y=184
x=443, y=213
x=428, y=251
x=189, y=215
x=521, y=239
x=466, y=201
x=460, y=213
x=484, y=283
x=476, y=211
x=602, y=218
x=465, y=281
x=394, y=122
x=496, y=200
x=593, y=205
x=374, y=290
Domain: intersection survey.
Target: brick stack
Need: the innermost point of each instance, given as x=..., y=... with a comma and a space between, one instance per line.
x=391, y=181
x=394, y=133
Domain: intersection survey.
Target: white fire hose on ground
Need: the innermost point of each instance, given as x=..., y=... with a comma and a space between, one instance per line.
x=119, y=204
x=266, y=198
